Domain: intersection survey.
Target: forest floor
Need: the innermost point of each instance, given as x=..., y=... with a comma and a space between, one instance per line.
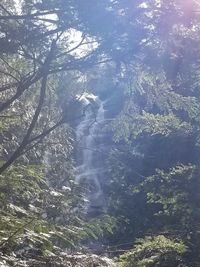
x=63, y=260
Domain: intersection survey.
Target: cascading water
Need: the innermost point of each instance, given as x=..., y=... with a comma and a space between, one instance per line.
x=90, y=152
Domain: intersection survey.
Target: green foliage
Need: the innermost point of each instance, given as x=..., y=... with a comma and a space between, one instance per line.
x=154, y=251
x=154, y=165
x=175, y=195
x=150, y=57
x=133, y=126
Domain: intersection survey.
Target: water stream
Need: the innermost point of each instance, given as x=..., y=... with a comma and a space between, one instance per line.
x=91, y=152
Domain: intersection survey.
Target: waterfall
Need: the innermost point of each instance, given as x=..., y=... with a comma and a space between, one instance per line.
x=91, y=152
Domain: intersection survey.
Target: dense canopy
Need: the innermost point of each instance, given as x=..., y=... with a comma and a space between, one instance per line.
x=110, y=86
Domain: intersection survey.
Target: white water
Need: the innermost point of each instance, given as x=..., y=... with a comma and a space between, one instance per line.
x=89, y=136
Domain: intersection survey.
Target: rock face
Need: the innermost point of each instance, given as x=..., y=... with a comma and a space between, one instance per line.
x=91, y=152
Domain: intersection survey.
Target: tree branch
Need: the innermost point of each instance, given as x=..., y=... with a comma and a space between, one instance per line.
x=27, y=16
x=16, y=232
x=25, y=140
x=22, y=86
x=24, y=143
x=9, y=74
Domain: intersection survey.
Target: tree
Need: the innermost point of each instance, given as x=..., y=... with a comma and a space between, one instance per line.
x=156, y=132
